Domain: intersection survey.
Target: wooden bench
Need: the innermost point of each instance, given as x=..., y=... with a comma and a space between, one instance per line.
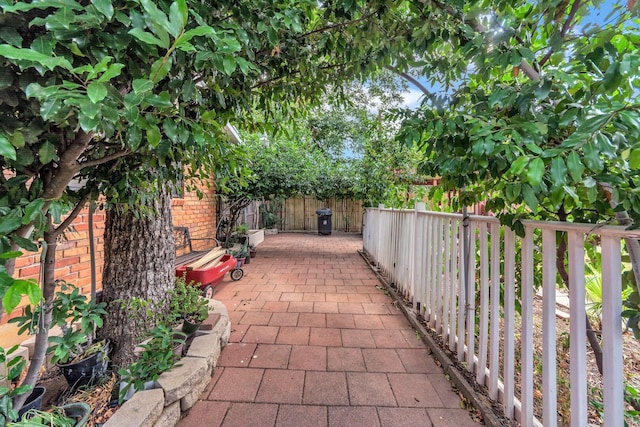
x=184, y=243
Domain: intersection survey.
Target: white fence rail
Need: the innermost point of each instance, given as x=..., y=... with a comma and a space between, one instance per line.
x=422, y=253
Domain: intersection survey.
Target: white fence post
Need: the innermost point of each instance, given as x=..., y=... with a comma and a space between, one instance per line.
x=579, y=402
x=379, y=232
x=415, y=267
x=526, y=351
x=612, y=332
x=509, y=319
x=550, y=405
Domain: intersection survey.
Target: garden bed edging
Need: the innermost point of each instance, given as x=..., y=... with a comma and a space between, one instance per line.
x=178, y=389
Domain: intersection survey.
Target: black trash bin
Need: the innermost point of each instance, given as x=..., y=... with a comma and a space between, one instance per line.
x=324, y=221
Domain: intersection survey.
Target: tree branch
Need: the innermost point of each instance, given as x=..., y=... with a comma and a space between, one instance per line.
x=412, y=80
x=105, y=159
x=565, y=29
x=67, y=166
x=275, y=79
x=72, y=215
x=341, y=25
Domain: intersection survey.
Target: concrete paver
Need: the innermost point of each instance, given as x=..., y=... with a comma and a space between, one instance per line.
x=315, y=342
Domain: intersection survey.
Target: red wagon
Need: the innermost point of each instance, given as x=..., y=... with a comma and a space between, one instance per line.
x=208, y=277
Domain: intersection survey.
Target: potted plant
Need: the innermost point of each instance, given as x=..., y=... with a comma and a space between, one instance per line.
x=69, y=415
x=242, y=230
x=157, y=356
x=269, y=211
x=252, y=251
x=186, y=303
x=80, y=358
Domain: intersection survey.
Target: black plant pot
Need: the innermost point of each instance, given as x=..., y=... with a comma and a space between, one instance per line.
x=189, y=328
x=87, y=370
x=79, y=411
x=34, y=401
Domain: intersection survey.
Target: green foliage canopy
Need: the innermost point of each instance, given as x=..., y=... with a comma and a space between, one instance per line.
x=543, y=112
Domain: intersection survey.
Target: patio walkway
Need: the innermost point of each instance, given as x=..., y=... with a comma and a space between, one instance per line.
x=315, y=342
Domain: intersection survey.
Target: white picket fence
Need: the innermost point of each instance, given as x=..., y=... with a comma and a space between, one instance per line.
x=422, y=254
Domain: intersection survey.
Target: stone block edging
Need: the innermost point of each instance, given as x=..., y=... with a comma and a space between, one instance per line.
x=179, y=388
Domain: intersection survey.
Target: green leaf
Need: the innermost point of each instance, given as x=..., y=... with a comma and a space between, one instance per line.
x=593, y=123
x=49, y=62
x=10, y=35
x=6, y=78
x=111, y=72
x=10, y=222
x=558, y=171
x=568, y=190
x=157, y=16
x=634, y=159
x=47, y=153
x=33, y=292
x=13, y=295
x=11, y=298
x=542, y=128
x=177, y=18
x=592, y=157
x=229, y=45
x=202, y=30
x=50, y=107
x=512, y=192
x=142, y=85
x=543, y=90
x=148, y=38
x=229, y=64
x=575, y=166
x=104, y=6
x=32, y=211
x=96, y=92
x=24, y=243
x=612, y=77
x=41, y=4
x=535, y=171
x=10, y=255
x=134, y=137
x=530, y=197
x=160, y=69
x=518, y=165
x=170, y=129
x=6, y=149
x=184, y=11
x=556, y=40
x=88, y=123
x=153, y=136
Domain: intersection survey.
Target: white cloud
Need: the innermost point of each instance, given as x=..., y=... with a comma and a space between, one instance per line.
x=412, y=98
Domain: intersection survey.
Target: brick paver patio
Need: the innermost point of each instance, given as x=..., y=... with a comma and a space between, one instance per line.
x=315, y=342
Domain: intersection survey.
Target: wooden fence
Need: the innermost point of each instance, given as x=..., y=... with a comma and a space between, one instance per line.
x=299, y=214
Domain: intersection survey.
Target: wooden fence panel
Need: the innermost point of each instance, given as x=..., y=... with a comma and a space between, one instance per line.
x=299, y=214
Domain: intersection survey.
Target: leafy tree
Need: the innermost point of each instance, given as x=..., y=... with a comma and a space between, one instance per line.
x=112, y=94
x=542, y=112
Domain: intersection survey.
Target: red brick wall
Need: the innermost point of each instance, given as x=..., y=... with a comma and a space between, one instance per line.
x=73, y=258
x=197, y=214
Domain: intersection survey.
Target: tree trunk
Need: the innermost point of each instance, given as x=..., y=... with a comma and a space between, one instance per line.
x=139, y=262
x=44, y=322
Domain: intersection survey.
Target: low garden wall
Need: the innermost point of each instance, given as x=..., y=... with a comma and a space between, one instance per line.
x=178, y=389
